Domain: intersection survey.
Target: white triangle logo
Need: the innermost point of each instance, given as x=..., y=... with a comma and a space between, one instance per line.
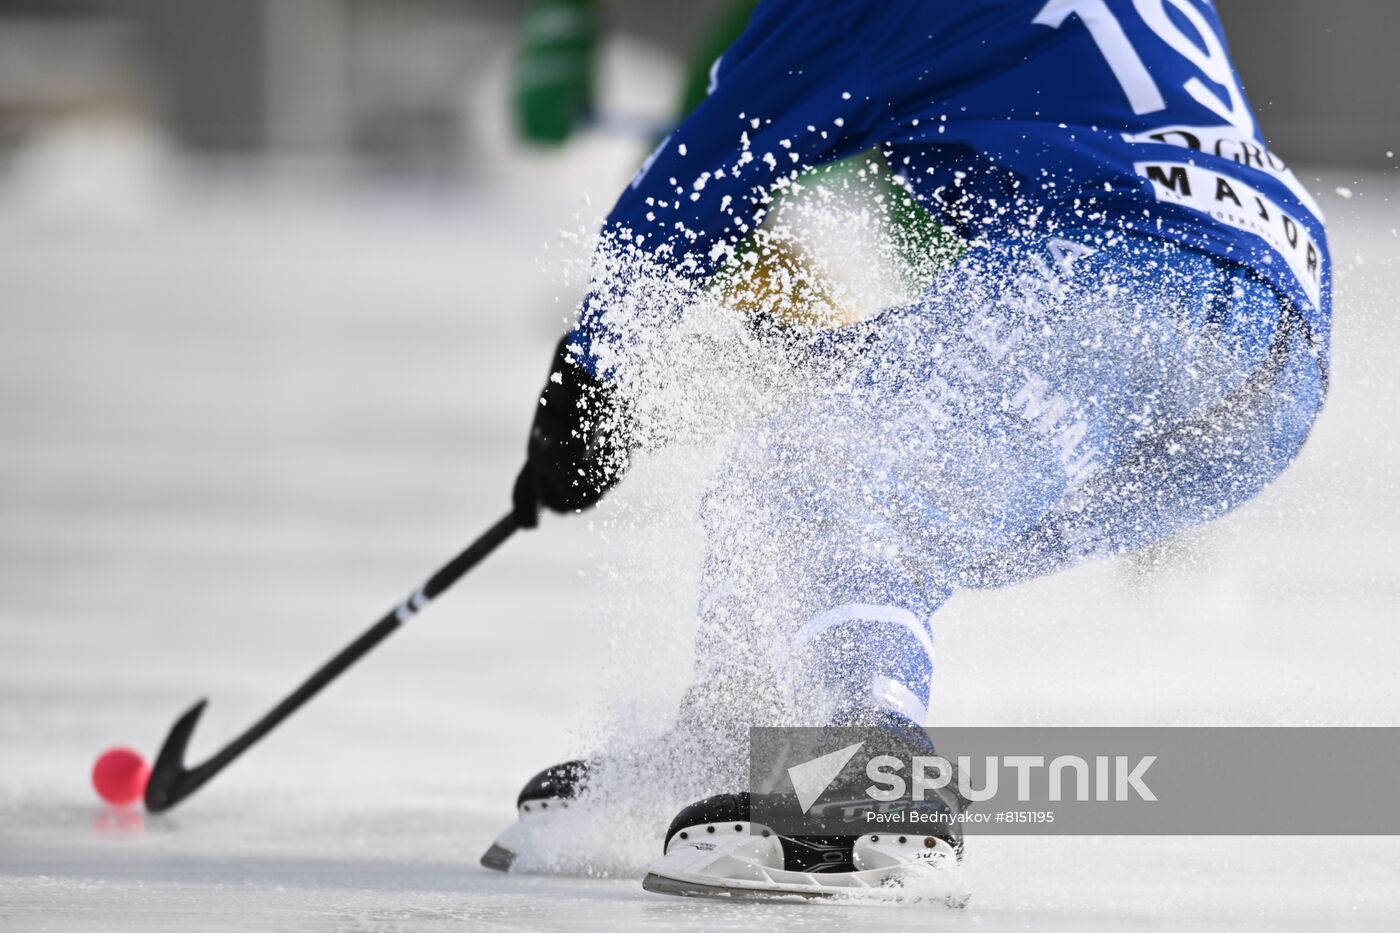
x=811, y=778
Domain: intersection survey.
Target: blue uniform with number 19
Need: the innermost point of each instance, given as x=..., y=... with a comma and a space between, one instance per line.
x=1101, y=156
x=998, y=114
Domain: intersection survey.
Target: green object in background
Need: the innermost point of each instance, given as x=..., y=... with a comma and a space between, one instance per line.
x=552, y=97
x=922, y=247
x=727, y=26
x=552, y=92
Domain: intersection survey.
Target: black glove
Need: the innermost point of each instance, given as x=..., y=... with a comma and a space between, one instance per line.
x=574, y=454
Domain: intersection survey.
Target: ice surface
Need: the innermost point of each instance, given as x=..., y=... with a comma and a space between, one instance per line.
x=239, y=423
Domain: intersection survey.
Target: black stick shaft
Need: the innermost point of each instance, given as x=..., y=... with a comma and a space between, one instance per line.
x=171, y=781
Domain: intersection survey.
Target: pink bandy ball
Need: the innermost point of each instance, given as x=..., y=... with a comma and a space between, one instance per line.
x=120, y=775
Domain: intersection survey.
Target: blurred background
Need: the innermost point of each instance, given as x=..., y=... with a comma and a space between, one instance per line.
x=278, y=281
x=393, y=84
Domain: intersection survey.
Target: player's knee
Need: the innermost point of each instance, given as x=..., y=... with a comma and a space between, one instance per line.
x=861, y=658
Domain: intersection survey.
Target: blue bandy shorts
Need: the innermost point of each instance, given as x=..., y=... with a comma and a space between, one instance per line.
x=1082, y=394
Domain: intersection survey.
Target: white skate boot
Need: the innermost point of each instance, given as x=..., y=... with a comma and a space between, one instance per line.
x=713, y=849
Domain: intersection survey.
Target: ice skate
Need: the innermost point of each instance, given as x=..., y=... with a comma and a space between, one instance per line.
x=547, y=793
x=714, y=849
x=631, y=789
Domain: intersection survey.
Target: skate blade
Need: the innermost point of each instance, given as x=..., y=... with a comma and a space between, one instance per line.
x=660, y=884
x=891, y=891
x=881, y=886
x=529, y=830
x=497, y=858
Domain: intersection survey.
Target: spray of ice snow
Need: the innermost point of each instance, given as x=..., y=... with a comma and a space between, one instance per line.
x=828, y=424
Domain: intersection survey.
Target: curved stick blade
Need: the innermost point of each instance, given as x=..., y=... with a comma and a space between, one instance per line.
x=170, y=781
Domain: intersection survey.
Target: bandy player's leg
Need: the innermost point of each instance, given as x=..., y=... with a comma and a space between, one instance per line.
x=1187, y=471
x=994, y=431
